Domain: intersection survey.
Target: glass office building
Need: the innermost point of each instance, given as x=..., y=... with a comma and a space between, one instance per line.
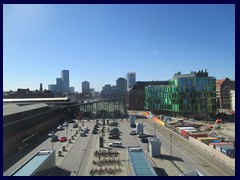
x=187, y=94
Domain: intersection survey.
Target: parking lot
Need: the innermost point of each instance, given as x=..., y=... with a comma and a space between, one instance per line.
x=83, y=156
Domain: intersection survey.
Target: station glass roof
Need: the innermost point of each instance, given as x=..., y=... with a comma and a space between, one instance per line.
x=31, y=165
x=140, y=164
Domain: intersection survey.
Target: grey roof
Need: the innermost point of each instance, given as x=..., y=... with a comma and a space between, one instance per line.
x=9, y=109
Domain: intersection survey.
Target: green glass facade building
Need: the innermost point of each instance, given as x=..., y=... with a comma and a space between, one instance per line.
x=188, y=94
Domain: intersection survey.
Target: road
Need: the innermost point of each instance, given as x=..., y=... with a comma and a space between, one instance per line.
x=77, y=159
x=185, y=155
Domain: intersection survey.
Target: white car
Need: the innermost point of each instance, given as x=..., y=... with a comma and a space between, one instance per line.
x=60, y=127
x=65, y=124
x=51, y=134
x=115, y=144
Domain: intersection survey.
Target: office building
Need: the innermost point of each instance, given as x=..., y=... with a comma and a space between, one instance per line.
x=52, y=88
x=65, y=81
x=136, y=95
x=223, y=95
x=131, y=80
x=59, y=84
x=71, y=90
x=191, y=94
x=232, y=93
x=85, y=88
x=122, y=85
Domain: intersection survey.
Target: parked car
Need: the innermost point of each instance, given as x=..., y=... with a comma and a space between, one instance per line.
x=144, y=140
x=114, y=130
x=51, y=134
x=114, y=123
x=142, y=135
x=63, y=139
x=94, y=132
x=82, y=134
x=75, y=125
x=60, y=127
x=54, y=138
x=115, y=144
x=85, y=130
x=71, y=121
x=114, y=136
x=133, y=133
x=65, y=124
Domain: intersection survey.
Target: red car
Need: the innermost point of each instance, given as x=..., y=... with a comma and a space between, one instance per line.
x=63, y=139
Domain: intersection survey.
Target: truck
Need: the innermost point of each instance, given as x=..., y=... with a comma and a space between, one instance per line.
x=132, y=121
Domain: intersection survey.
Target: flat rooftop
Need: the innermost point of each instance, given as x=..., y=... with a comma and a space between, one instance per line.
x=29, y=167
x=140, y=163
x=35, y=99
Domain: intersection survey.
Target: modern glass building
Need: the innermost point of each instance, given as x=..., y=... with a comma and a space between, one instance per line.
x=187, y=94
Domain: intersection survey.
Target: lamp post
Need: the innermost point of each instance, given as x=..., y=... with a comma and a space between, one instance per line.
x=52, y=145
x=67, y=134
x=155, y=128
x=170, y=145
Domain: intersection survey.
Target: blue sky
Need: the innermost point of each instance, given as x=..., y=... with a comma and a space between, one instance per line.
x=100, y=43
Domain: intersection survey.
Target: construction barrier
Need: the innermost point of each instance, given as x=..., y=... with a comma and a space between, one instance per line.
x=153, y=118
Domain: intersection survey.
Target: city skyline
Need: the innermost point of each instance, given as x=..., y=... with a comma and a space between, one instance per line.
x=100, y=43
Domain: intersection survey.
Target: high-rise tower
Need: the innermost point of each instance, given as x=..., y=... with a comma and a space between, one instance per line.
x=131, y=79
x=65, y=81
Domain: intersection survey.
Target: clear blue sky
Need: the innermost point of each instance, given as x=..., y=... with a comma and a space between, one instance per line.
x=100, y=43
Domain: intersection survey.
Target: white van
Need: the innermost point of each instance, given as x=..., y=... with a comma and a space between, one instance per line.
x=115, y=144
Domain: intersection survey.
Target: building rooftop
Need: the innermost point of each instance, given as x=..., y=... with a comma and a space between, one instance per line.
x=35, y=99
x=31, y=166
x=9, y=109
x=140, y=163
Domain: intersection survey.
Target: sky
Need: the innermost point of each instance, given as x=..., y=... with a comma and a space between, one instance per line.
x=100, y=43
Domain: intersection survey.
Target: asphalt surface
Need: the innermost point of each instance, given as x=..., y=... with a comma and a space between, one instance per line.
x=78, y=158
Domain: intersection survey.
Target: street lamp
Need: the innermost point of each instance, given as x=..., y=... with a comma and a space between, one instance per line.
x=67, y=134
x=52, y=145
x=155, y=128
x=170, y=144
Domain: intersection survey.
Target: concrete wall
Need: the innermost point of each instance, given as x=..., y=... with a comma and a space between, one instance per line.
x=222, y=157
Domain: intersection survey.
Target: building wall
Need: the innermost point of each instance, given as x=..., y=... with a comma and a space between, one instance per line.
x=12, y=143
x=185, y=95
x=223, y=88
x=232, y=92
